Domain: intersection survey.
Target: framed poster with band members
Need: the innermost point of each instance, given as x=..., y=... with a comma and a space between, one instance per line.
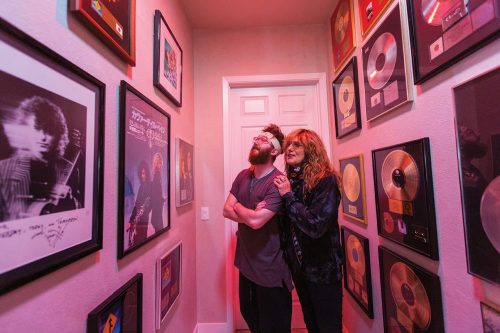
x=370, y=12
x=342, y=27
x=353, y=188
x=51, y=160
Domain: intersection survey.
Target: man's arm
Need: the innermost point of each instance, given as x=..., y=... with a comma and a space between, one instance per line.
x=228, y=211
x=255, y=219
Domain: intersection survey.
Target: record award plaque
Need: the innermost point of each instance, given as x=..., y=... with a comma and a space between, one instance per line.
x=353, y=188
x=342, y=26
x=369, y=12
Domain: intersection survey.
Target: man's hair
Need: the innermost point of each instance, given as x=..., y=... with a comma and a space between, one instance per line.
x=145, y=166
x=276, y=132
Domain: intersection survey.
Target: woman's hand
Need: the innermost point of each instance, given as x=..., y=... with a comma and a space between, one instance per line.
x=283, y=184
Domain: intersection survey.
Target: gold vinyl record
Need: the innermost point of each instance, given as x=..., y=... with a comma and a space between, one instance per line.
x=399, y=175
x=410, y=295
x=342, y=22
x=346, y=96
x=381, y=60
x=434, y=10
x=351, y=182
x=355, y=254
x=490, y=212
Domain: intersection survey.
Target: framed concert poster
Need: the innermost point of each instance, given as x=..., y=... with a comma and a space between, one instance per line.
x=442, y=33
x=404, y=196
x=370, y=12
x=168, y=282
x=167, y=76
x=346, y=100
x=144, y=170
x=51, y=160
x=385, y=68
x=120, y=312
x=357, y=274
x=112, y=21
x=184, y=172
x=353, y=188
x=491, y=319
x=411, y=296
x=342, y=27
x=478, y=138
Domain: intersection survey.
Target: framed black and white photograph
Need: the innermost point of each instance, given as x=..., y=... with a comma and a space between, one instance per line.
x=353, y=188
x=144, y=170
x=51, y=160
x=168, y=282
x=184, y=172
x=167, y=76
x=491, y=318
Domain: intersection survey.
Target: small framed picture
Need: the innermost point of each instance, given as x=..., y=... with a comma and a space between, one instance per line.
x=168, y=282
x=184, y=172
x=342, y=27
x=120, y=312
x=353, y=188
x=370, y=12
x=167, y=75
x=491, y=319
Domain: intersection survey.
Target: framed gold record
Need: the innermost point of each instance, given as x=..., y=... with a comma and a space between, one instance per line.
x=342, y=27
x=353, y=188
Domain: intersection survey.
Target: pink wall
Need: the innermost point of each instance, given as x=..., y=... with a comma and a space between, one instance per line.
x=60, y=301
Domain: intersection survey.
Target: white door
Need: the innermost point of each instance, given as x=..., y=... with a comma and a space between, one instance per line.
x=289, y=104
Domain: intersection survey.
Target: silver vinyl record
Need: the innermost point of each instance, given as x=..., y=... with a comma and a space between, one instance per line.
x=434, y=10
x=382, y=60
x=346, y=95
x=490, y=212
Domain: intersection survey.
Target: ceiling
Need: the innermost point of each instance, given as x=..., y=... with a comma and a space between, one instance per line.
x=234, y=14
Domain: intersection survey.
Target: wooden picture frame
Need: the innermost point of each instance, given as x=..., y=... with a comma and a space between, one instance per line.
x=184, y=172
x=343, y=36
x=353, y=188
x=168, y=282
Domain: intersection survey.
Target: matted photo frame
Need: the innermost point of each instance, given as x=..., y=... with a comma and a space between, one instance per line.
x=168, y=282
x=184, y=172
x=167, y=76
x=346, y=100
x=370, y=12
x=353, y=188
x=491, y=318
x=120, y=312
x=343, y=36
x=144, y=170
x=51, y=160
x=357, y=271
x=111, y=21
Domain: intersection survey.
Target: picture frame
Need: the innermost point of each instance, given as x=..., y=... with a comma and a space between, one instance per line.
x=144, y=170
x=184, y=172
x=491, y=318
x=370, y=11
x=346, y=100
x=478, y=141
x=404, y=196
x=120, y=312
x=357, y=273
x=168, y=282
x=112, y=21
x=443, y=35
x=411, y=295
x=51, y=173
x=167, y=76
x=353, y=188
x=342, y=29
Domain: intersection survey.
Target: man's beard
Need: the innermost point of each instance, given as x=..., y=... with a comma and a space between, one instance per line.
x=259, y=155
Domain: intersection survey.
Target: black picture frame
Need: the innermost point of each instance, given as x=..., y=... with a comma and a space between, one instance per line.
x=167, y=72
x=466, y=29
x=411, y=295
x=38, y=230
x=144, y=144
x=491, y=318
x=346, y=107
x=168, y=282
x=357, y=270
x=353, y=188
x=404, y=196
x=478, y=140
x=184, y=172
x=123, y=308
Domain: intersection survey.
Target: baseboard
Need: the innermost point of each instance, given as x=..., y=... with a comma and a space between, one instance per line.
x=213, y=328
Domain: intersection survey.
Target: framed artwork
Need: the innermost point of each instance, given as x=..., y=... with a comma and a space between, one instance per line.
x=357, y=274
x=51, y=160
x=112, y=21
x=184, y=172
x=491, y=319
x=346, y=100
x=385, y=69
x=168, y=282
x=342, y=27
x=441, y=35
x=353, y=188
x=120, y=312
x=404, y=196
x=478, y=132
x=411, y=296
x=144, y=170
x=370, y=12
x=167, y=76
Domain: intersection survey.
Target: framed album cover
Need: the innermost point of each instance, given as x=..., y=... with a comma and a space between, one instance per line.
x=357, y=274
x=112, y=21
x=144, y=170
x=370, y=12
x=491, y=319
x=120, y=312
x=51, y=160
x=353, y=188
x=346, y=100
x=411, y=296
x=167, y=76
x=342, y=27
x=184, y=172
x=385, y=68
x=404, y=196
x=168, y=282
x=478, y=131
x=442, y=33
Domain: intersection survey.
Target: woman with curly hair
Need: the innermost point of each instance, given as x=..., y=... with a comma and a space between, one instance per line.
x=310, y=230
